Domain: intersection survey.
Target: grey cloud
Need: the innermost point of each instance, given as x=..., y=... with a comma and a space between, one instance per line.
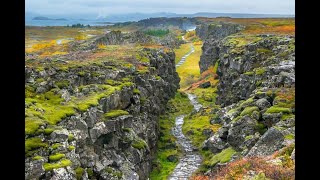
x=146, y=6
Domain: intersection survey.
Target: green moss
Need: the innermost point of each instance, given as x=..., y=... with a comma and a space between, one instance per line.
x=111, y=82
x=70, y=137
x=258, y=83
x=60, y=164
x=32, y=125
x=139, y=144
x=264, y=50
x=289, y=136
x=118, y=174
x=247, y=102
x=70, y=148
x=56, y=146
x=127, y=130
x=143, y=71
x=197, y=124
x=233, y=111
x=39, y=80
x=126, y=84
x=47, y=107
x=34, y=143
x=287, y=116
x=91, y=100
x=56, y=157
x=40, y=68
x=95, y=74
x=237, y=118
x=249, y=73
x=82, y=73
x=261, y=128
x=275, y=109
x=90, y=173
x=37, y=158
x=48, y=131
x=223, y=157
x=142, y=58
x=64, y=68
x=79, y=172
x=62, y=84
x=136, y=91
x=260, y=71
x=248, y=137
x=158, y=78
x=126, y=79
x=115, y=113
x=108, y=170
x=143, y=100
x=249, y=110
x=157, y=32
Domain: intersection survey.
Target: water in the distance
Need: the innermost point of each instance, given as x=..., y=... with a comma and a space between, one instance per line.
x=30, y=22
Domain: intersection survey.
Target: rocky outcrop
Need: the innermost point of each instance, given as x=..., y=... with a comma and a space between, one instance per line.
x=113, y=139
x=163, y=22
x=117, y=37
x=211, y=35
x=251, y=62
x=256, y=90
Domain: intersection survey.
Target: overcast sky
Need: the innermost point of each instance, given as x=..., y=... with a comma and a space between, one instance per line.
x=106, y=7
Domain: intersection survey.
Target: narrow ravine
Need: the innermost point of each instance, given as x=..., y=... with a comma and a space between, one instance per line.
x=191, y=159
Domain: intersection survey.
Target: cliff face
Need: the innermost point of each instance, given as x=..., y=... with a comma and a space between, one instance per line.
x=212, y=35
x=112, y=138
x=256, y=91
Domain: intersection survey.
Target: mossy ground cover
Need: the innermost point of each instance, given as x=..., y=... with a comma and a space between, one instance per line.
x=49, y=108
x=56, y=165
x=222, y=157
x=115, y=113
x=166, y=145
x=139, y=144
x=194, y=125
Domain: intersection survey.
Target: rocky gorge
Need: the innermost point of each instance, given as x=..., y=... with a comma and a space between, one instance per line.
x=255, y=92
x=110, y=127
x=114, y=107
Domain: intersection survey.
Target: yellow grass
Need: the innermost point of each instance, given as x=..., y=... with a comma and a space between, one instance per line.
x=181, y=51
x=189, y=71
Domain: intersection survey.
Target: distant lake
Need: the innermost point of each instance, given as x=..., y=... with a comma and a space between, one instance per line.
x=30, y=22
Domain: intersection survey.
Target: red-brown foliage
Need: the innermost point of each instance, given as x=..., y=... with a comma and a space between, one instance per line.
x=238, y=169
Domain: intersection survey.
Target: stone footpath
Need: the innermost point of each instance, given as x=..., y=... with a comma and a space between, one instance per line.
x=183, y=59
x=191, y=160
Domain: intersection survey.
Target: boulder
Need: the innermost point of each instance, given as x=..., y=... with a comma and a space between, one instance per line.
x=263, y=103
x=205, y=84
x=270, y=142
x=59, y=135
x=62, y=174
x=172, y=158
x=240, y=129
x=34, y=169
x=215, y=144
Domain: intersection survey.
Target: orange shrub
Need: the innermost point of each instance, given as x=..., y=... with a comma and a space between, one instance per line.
x=238, y=169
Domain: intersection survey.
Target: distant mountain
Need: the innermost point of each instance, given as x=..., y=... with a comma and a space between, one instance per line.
x=140, y=16
x=46, y=18
x=118, y=18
